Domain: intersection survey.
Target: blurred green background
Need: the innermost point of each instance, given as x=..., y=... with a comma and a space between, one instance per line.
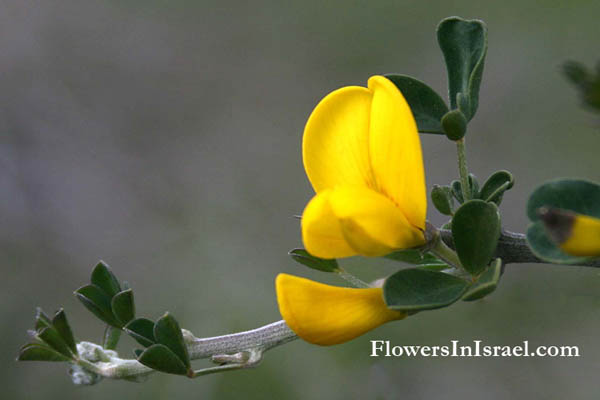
x=164, y=138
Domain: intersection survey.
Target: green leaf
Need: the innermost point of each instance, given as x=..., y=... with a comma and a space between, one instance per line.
x=579, y=196
x=427, y=106
x=137, y=352
x=441, y=197
x=475, y=231
x=159, y=357
x=494, y=187
x=103, y=277
x=41, y=320
x=111, y=337
x=142, y=330
x=98, y=303
x=61, y=325
x=52, y=338
x=414, y=256
x=123, y=306
x=457, y=191
x=168, y=332
x=305, y=258
x=474, y=185
x=464, y=44
x=417, y=289
x=39, y=352
x=434, y=267
x=486, y=283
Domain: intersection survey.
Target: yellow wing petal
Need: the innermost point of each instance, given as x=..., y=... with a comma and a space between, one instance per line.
x=335, y=145
x=584, y=239
x=328, y=315
x=354, y=220
x=321, y=230
x=395, y=151
x=371, y=223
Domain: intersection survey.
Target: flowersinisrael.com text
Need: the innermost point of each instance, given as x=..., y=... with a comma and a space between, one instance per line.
x=383, y=348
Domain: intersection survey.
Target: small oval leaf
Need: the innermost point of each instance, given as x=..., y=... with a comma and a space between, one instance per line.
x=486, y=283
x=98, y=303
x=168, y=332
x=475, y=231
x=417, y=289
x=442, y=199
x=142, y=330
x=305, y=258
x=495, y=186
x=464, y=44
x=52, y=338
x=427, y=106
x=103, y=277
x=159, y=357
x=39, y=352
x=61, y=325
x=123, y=306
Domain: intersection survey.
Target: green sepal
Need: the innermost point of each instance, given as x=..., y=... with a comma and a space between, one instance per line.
x=576, y=195
x=103, y=277
x=52, y=338
x=168, y=333
x=414, y=256
x=486, y=282
x=142, y=330
x=464, y=44
x=160, y=358
x=475, y=232
x=427, y=106
x=441, y=197
x=40, y=352
x=494, y=187
x=98, y=303
x=305, y=258
x=123, y=306
x=454, y=124
x=60, y=323
x=417, y=289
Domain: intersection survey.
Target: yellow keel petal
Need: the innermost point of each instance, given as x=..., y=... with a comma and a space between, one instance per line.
x=328, y=315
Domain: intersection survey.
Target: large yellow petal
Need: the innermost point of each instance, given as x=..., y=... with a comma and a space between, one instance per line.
x=395, y=151
x=584, y=239
x=328, y=315
x=354, y=220
x=335, y=145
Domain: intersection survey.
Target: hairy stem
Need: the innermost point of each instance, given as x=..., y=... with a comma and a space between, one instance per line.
x=462, y=169
x=230, y=350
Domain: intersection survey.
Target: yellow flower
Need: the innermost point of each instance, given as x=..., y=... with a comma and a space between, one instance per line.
x=362, y=155
x=575, y=234
x=327, y=315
